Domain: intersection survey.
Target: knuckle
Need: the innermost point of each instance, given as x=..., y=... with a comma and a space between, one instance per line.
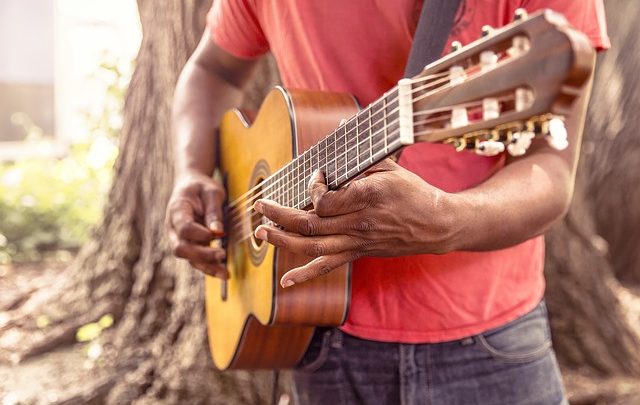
x=279, y=241
x=364, y=225
x=324, y=269
x=321, y=207
x=179, y=250
x=183, y=230
x=215, y=190
x=316, y=249
x=306, y=226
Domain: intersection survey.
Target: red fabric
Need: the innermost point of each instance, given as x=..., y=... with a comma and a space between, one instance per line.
x=360, y=47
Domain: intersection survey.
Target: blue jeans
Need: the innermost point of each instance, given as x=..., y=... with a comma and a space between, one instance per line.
x=513, y=364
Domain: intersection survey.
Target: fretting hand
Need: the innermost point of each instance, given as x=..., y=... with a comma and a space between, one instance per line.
x=388, y=212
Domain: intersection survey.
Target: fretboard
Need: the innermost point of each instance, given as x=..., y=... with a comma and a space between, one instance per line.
x=353, y=147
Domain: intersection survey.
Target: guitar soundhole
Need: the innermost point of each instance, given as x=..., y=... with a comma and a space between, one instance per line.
x=257, y=247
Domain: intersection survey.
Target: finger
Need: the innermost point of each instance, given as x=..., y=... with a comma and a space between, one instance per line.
x=308, y=246
x=213, y=199
x=317, y=187
x=194, y=232
x=307, y=224
x=198, y=253
x=213, y=270
x=316, y=268
x=352, y=197
x=298, y=221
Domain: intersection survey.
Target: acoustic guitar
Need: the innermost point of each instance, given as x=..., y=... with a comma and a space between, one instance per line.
x=492, y=96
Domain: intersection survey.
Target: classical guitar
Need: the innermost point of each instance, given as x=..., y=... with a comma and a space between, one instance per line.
x=492, y=96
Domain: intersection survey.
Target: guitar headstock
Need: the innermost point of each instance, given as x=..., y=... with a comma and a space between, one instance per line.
x=513, y=84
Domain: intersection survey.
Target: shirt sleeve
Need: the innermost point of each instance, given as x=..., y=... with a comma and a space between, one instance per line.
x=234, y=27
x=585, y=15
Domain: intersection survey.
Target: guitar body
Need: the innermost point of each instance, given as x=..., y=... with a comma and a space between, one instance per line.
x=252, y=321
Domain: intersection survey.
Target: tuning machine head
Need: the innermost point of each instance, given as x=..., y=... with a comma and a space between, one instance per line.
x=455, y=46
x=486, y=30
x=520, y=15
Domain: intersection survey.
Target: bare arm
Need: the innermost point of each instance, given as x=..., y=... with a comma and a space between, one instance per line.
x=210, y=83
x=524, y=198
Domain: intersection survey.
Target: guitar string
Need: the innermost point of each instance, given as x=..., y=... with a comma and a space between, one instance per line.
x=243, y=200
x=280, y=185
x=238, y=210
x=385, y=105
x=239, y=225
x=239, y=213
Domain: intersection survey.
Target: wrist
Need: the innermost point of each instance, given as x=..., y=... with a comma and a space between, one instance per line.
x=451, y=212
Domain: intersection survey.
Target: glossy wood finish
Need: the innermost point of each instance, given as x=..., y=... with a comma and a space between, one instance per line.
x=257, y=326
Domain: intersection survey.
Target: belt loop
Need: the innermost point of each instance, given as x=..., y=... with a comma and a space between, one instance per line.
x=336, y=339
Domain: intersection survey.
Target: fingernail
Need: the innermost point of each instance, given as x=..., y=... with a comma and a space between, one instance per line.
x=287, y=283
x=261, y=233
x=216, y=227
x=258, y=206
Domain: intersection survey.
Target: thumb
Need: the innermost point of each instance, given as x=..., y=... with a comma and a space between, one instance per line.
x=212, y=200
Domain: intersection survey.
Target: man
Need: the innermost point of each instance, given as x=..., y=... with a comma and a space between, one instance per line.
x=447, y=279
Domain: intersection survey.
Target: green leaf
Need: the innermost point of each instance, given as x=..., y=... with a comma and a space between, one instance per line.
x=106, y=321
x=42, y=321
x=88, y=332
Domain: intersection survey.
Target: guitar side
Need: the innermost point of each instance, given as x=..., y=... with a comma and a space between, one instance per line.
x=253, y=322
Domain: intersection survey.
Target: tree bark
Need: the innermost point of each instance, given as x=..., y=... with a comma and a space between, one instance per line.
x=595, y=248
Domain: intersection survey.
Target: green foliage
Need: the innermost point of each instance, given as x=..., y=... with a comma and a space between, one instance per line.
x=51, y=204
x=93, y=330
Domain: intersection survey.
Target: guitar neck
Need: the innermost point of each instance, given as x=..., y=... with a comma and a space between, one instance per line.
x=353, y=147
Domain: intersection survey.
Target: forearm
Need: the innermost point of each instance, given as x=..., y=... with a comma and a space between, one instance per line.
x=519, y=202
x=523, y=199
x=200, y=101
x=210, y=83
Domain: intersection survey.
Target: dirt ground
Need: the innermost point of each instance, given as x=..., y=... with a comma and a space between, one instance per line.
x=75, y=374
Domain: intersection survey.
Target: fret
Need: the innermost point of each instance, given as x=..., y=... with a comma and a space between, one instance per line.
x=315, y=157
x=363, y=133
x=378, y=137
x=340, y=157
x=352, y=148
x=324, y=159
x=384, y=124
x=277, y=192
x=370, y=136
x=289, y=185
x=331, y=159
x=300, y=180
x=265, y=188
x=393, y=114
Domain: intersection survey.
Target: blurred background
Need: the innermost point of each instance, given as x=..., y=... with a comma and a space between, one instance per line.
x=94, y=309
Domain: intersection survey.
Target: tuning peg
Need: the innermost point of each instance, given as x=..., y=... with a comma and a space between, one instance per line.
x=486, y=30
x=489, y=148
x=557, y=136
x=520, y=14
x=455, y=46
x=520, y=143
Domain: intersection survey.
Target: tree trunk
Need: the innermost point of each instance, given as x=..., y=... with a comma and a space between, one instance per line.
x=596, y=247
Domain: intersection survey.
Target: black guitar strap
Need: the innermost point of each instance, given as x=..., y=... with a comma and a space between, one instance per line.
x=434, y=26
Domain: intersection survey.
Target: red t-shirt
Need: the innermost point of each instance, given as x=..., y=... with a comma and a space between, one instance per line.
x=360, y=47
